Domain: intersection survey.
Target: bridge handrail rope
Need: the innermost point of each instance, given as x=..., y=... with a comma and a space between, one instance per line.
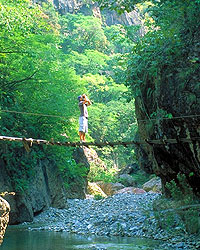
x=59, y=116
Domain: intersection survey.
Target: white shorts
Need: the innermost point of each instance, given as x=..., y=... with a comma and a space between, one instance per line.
x=83, y=124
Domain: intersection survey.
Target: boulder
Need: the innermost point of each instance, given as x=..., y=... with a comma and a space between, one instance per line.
x=153, y=185
x=4, y=217
x=94, y=189
x=131, y=190
x=127, y=180
x=110, y=188
x=139, y=191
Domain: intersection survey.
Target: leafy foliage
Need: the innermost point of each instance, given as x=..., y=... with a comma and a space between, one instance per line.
x=165, y=60
x=100, y=174
x=46, y=61
x=81, y=33
x=167, y=52
x=98, y=68
x=35, y=78
x=180, y=211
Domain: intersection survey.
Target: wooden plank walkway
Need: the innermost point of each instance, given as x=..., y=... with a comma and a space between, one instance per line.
x=30, y=141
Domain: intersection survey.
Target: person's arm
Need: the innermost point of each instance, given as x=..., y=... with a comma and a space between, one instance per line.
x=87, y=100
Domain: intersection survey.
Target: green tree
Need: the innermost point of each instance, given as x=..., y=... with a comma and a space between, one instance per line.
x=91, y=61
x=35, y=78
x=81, y=33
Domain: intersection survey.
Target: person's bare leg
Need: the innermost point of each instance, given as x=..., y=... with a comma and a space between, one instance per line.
x=84, y=137
x=81, y=135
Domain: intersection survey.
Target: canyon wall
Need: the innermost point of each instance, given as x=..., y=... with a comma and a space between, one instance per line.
x=91, y=8
x=44, y=188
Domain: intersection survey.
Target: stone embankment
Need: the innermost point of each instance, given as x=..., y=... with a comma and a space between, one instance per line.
x=118, y=215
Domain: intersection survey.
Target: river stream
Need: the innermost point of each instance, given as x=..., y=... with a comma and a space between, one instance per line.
x=21, y=239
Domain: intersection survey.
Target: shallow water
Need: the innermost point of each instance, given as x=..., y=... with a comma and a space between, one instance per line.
x=20, y=239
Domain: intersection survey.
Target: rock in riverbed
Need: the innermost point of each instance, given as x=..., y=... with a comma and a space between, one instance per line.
x=4, y=217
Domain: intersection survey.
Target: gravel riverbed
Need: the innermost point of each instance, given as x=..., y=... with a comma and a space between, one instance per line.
x=128, y=215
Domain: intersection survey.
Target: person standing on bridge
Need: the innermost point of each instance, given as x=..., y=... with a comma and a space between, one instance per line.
x=83, y=119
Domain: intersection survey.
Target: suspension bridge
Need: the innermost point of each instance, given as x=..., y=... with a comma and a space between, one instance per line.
x=28, y=142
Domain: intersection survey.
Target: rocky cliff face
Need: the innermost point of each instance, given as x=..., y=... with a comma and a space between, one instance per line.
x=167, y=160
x=91, y=8
x=45, y=188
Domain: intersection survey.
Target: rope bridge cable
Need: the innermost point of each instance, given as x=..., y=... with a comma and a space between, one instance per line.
x=33, y=114
x=29, y=141
x=60, y=116
x=168, y=118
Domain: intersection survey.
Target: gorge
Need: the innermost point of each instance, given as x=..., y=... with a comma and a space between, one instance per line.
x=61, y=48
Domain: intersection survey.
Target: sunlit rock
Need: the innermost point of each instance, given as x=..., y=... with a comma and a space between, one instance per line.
x=131, y=190
x=92, y=9
x=153, y=185
x=86, y=158
x=110, y=188
x=4, y=217
x=94, y=189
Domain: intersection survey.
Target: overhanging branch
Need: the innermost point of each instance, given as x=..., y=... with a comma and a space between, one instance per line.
x=13, y=83
x=13, y=52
